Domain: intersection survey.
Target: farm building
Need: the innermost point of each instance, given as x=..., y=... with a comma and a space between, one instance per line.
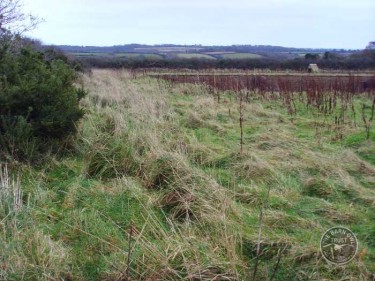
x=313, y=68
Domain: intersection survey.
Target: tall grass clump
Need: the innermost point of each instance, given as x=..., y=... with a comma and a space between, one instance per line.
x=10, y=193
x=157, y=188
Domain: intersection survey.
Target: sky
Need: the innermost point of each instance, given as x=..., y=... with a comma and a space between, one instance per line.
x=341, y=24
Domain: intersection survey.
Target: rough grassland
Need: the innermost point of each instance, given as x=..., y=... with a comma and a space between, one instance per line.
x=154, y=188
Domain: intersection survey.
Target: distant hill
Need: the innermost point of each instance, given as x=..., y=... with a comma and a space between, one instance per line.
x=169, y=50
x=171, y=56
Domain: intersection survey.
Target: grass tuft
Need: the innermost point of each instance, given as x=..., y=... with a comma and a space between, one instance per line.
x=156, y=189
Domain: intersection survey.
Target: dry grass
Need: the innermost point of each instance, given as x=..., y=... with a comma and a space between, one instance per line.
x=164, y=161
x=10, y=193
x=206, y=217
x=25, y=248
x=255, y=168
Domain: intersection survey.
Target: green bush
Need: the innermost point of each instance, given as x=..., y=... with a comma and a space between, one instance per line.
x=39, y=103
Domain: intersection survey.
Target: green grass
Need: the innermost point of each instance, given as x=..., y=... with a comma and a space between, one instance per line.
x=122, y=55
x=139, y=56
x=194, y=56
x=100, y=54
x=238, y=56
x=163, y=163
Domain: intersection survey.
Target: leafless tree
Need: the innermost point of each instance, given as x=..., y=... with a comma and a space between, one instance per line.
x=13, y=18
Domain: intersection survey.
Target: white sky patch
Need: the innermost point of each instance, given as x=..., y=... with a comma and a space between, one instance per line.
x=295, y=23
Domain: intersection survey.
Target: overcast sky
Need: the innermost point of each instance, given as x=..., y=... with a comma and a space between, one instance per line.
x=348, y=24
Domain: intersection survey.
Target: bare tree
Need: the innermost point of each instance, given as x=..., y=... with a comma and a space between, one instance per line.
x=13, y=19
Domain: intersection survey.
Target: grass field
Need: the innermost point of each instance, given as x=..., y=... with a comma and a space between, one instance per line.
x=139, y=56
x=213, y=55
x=241, y=56
x=194, y=56
x=92, y=54
x=155, y=187
x=121, y=55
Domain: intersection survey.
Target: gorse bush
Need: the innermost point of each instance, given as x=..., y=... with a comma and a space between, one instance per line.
x=39, y=103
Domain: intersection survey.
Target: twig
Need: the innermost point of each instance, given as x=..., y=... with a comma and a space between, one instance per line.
x=279, y=256
x=260, y=233
x=241, y=122
x=372, y=109
x=129, y=253
x=367, y=123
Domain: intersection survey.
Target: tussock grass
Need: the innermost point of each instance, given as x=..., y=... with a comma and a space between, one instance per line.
x=254, y=168
x=10, y=193
x=166, y=170
x=318, y=187
x=182, y=195
x=156, y=189
x=32, y=254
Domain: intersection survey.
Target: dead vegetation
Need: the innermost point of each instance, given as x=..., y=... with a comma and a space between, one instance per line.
x=164, y=160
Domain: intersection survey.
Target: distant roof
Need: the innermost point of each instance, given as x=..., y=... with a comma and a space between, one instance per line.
x=313, y=67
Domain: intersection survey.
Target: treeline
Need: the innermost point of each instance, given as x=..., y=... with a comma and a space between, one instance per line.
x=139, y=48
x=360, y=61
